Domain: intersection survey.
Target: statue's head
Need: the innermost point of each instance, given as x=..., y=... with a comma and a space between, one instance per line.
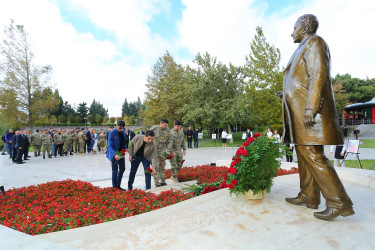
x=306, y=25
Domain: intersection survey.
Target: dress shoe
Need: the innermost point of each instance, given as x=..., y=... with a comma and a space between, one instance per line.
x=330, y=213
x=44, y=157
x=163, y=184
x=71, y=153
x=301, y=202
x=2, y=190
x=120, y=188
x=20, y=162
x=3, y=153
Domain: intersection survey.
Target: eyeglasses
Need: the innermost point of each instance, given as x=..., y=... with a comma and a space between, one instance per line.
x=120, y=127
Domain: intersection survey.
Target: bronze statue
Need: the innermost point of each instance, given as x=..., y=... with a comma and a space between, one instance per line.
x=310, y=121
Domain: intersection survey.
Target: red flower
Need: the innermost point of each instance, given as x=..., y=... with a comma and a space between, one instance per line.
x=244, y=152
x=182, y=161
x=223, y=185
x=123, y=153
x=124, y=150
x=238, y=160
x=250, y=139
x=245, y=144
x=239, y=150
x=256, y=135
x=230, y=186
x=226, y=176
x=150, y=170
x=233, y=171
x=233, y=163
x=234, y=182
x=169, y=157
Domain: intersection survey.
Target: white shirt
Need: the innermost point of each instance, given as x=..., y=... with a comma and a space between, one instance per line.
x=224, y=135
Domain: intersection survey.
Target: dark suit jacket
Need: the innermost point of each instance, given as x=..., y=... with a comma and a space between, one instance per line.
x=88, y=137
x=307, y=86
x=131, y=135
x=20, y=141
x=190, y=133
x=195, y=135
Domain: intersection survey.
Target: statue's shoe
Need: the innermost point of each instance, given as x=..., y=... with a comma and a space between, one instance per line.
x=301, y=202
x=330, y=213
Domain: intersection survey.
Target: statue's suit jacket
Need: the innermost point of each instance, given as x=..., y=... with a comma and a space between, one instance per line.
x=307, y=86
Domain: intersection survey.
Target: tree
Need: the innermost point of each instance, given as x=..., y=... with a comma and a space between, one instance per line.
x=82, y=110
x=357, y=90
x=21, y=78
x=61, y=119
x=78, y=119
x=125, y=108
x=165, y=94
x=112, y=120
x=71, y=118
x=98, y=118
x=52, y=119
x=264, y=79
x=91, y=118
x=97, y=108
x=213, y=93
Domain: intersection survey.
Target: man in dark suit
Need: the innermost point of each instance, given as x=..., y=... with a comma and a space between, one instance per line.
x=88, y=141
x=20, y=146
x=310, y=121
x=131, y=134
x=27, y=145
x=190, y=134
x=196, y=138
x=141, y=132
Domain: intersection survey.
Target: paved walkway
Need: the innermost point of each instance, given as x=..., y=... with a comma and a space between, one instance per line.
x=96, y=168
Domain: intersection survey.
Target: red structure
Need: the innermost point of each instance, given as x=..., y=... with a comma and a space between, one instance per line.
x=362, y=113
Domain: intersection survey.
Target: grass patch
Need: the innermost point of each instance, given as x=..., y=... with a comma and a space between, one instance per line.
x=366, y=164
x=367, y=143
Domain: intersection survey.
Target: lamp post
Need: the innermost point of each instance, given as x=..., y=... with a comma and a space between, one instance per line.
x=85, y=121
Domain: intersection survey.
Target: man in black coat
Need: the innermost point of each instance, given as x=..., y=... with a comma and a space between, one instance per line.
x=88, y=141
x=20, y=146
x=190, y=134
x=196, y=138
x=131, y=134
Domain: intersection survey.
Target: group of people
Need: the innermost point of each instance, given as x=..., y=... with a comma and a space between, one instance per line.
x=151, y=148
x=52, y=142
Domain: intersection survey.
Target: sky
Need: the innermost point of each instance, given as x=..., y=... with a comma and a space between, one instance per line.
x=104, y=50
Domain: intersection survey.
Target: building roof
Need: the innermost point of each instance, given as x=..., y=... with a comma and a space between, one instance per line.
x=361, y=105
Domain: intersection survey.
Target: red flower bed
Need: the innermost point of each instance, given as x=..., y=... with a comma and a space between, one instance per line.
x=203, y=174
x=60, y=205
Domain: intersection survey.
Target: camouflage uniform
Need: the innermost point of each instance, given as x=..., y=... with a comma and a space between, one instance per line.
x=68, y=142
x=76, y=143
x=101, y=140
x=36, y=142
x=164, y=141
x=58, y=139
x=178, y=143
x=46, y=143
x=81, y=140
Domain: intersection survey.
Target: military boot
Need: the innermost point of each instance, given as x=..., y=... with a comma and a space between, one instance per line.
x=44, y=157
x=35, y=154
x=49, y=156
x=71, y=153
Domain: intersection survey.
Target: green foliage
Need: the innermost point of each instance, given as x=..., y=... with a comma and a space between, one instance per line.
x=71, y=118
x=112, y=120
x=82, y=110
x=25, y=94
x=278, y=127
x=90, y=118
x=197, y=189
x=357, y=90
x=61, y=119
x=132, y=108
x=78, y=119
x=98, y=118
x=97, y=108
x=257, y=168
x=165, y=91
x=264, y=80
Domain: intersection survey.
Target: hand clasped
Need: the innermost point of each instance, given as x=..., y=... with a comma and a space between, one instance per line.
x=309, y=119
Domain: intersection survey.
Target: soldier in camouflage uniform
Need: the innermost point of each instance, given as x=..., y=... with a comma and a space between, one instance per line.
x=76, y=141
x=36, y=142
x=178, y=144
x=68, y=142
x=59, y=141
x=164, y=142
x=81, y=140
x=46, y=143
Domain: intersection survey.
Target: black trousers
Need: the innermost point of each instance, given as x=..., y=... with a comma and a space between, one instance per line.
x=14, y=155
x=20, y=152
x=58, y=147
x=190, y=143
x=26, y=152
x=196, y=143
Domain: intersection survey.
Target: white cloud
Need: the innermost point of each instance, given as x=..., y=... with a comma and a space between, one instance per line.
x=225, y=29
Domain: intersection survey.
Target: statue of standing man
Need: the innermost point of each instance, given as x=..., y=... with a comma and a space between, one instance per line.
x=310, y=121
